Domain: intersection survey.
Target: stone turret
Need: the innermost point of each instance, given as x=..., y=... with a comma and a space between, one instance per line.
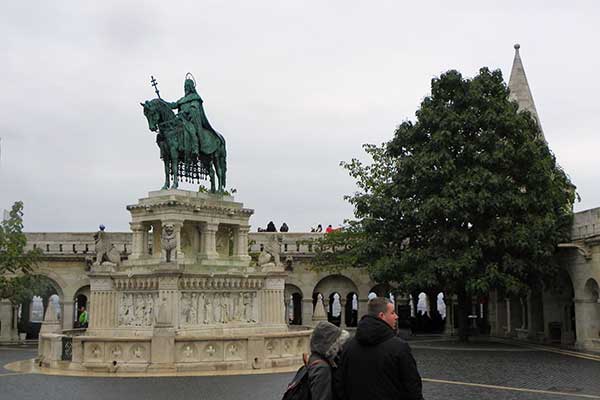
x=519, y=87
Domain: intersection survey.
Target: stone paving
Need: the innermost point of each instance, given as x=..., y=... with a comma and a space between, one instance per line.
x=481, y=363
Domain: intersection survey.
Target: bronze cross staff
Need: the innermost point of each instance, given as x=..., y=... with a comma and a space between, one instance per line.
x=155, y=84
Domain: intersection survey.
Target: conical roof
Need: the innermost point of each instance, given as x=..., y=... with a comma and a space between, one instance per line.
x=519, y=88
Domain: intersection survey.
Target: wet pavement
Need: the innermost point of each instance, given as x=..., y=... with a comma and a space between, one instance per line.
x=451, y=370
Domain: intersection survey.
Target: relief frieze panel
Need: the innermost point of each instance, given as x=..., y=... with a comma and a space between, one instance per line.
x=206, y=308
x=138, y=308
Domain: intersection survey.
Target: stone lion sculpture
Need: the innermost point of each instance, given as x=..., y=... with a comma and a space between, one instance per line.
x=270, y=254
x=105, y=251
x=168, y=242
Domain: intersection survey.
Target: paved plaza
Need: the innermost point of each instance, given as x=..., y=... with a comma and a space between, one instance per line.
x=451, y=370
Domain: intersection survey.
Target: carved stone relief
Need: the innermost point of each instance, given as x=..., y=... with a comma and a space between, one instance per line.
x=138, y=309
x=223, y=236
x=206, y=308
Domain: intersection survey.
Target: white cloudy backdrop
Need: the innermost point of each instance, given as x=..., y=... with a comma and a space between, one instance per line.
x=294, y=88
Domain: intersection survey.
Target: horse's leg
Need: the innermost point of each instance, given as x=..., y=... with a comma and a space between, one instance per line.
x=217, y=164
x=211, y=174
x=175, y=168
x=223, y=165
x=167, y=172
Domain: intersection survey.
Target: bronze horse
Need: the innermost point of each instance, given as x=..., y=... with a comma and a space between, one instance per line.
x=178, y=164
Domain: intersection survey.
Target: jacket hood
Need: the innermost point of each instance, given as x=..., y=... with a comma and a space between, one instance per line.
x=372, y=331
x=324, y=336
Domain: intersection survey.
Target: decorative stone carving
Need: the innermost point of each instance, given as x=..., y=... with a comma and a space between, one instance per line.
x=235, y=351
x=197, y=308
x=192, y=282
x=138, y=351
x=212, y=351
x=106, y=253
x=168, y=242
x=116, y=351
x=319, y=313
x=51, y=322
x=269, y=257
x=271, y=347
x=188, y=351
x=223, y=237
x=95, y=351
x=137, y=309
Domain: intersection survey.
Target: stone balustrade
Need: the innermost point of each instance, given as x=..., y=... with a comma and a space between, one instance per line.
x=82, y=243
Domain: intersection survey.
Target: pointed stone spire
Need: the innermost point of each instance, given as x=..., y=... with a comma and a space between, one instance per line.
x=519, y=87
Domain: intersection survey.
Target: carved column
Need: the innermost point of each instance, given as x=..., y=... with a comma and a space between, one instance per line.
x=307, y=310
x=102, y=305
x=145, y=230
x=196, y=245
x=343, y=301
x=177, y=226
x=137, y=240
x=449, y=324
x=209, y=240
x=240, y=243
x=156, y=232
x=531, y=326
x=523, y=314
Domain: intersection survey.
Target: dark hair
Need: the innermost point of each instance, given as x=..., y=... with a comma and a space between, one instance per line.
x=377, y=305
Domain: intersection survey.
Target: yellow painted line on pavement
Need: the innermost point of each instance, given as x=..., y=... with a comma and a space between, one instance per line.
x=586, y=356
x=515, y=389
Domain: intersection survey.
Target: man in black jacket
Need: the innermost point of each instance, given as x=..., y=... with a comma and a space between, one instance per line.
x=376, y=364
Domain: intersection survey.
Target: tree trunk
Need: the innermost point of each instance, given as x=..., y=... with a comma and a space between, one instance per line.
x=464, y=308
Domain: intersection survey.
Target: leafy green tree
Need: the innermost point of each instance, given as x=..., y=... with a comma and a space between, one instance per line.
x=466, y=199
x=17, y=263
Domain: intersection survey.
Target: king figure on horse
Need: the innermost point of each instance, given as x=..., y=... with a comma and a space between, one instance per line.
x=189, y=146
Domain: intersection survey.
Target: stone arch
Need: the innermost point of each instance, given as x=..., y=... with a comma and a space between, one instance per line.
x=57, y=281
x=591, y=290
x=29, y=323
x=293, y=304
x=81, y=297
x=588, y=315
x=335, y=283
x=381, y=289
x=331, y=285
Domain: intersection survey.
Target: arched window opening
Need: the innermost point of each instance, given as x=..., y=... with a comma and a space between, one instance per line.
x=334, y=312
x=351, y=310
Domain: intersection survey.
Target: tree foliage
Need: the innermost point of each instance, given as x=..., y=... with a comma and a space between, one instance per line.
x=465, y=199
x=16, y=262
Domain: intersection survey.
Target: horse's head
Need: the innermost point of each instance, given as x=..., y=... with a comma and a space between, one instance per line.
x=157, y=111
x=152, y=114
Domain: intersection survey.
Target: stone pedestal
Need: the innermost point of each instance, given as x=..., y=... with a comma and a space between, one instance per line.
x=203, y=224
x=206, y=308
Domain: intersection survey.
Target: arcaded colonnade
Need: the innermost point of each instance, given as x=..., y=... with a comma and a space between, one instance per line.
x=568, y=314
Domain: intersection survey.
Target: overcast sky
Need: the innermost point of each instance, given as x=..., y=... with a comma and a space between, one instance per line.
x=294, y=87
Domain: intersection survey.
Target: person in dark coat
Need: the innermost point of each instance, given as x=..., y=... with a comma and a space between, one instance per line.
x=326, y=342
x=376, y=364
x=284, y=228
x=271, y=227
